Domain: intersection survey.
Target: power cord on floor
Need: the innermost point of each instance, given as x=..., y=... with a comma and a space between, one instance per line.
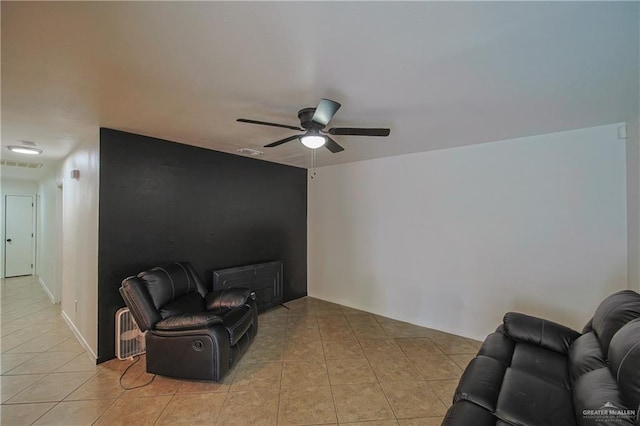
x=137, y=358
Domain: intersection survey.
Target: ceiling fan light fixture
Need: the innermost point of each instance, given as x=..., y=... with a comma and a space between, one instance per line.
x=24, y=150
x=313, y=141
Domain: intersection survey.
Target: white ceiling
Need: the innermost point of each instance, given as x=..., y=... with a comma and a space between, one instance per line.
x=439, y=74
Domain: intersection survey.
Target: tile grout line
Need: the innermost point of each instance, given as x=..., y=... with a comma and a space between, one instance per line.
x=164, y=409
x=395, y=415
x=326, y=367
x=105, y=410
x=45, y=413
x=226, y=397
x=282, y=366
x=7, y=402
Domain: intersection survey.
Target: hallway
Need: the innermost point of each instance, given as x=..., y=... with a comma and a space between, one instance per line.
x=42, y=362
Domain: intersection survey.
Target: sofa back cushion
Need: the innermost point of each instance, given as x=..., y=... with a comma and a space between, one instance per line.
x=189, y=303
x=173, y=289
x=137, y=297
x=585, y=354
x=624, y=360
x=613, y=313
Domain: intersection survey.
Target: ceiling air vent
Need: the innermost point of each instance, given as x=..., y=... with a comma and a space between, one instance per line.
x=21, y=164
x=249, y=151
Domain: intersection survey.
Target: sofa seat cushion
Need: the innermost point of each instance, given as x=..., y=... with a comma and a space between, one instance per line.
x=189, y=303
x=545, y=364
x=237, y=322
x=585, y=355
x=468, y=413
x=529, y=400
x=481, y=382
x=535, y=387
x=189, y=321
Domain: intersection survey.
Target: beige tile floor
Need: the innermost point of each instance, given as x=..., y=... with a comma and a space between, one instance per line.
x=316, y=363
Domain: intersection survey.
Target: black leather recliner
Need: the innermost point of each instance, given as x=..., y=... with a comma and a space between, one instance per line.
x=191, y=333
x=536, y=372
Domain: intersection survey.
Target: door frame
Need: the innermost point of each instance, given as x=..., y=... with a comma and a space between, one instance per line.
x=3, y=226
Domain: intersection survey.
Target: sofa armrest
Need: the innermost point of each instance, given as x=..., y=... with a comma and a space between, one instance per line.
x=228, y=299
x=537, y=331
x=189, y=321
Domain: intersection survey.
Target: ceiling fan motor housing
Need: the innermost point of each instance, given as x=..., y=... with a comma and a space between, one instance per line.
x=305, y=115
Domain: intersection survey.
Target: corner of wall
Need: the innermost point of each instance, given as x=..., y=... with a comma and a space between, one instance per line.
x=87, y=347
x=633, y=202
x=49, y=234
x=47, y=291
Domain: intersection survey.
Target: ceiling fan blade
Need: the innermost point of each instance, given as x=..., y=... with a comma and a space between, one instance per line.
x=265, y=123
x=332, y=145
x=352, y=131
x=281, y=141
x=324, y=111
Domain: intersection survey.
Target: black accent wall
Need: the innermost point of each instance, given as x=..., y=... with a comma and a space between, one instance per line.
x=162, y=201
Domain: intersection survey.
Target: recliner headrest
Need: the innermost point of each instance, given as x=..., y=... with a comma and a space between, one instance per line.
x=624, y=360
x=169, y=282
x=613, y=313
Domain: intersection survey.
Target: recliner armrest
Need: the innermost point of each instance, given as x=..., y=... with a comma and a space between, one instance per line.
x=537, y=331
x=189, y=321
x=228, y=299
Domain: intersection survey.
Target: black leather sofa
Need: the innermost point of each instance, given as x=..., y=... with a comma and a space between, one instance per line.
x=191, y=333
x=536, y=372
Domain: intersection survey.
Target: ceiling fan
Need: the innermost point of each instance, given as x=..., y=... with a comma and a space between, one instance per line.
x=313, y=121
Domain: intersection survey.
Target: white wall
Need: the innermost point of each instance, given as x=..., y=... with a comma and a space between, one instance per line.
x=453, y=239
x=14, y=187
x=633, y=201
x=80, y=243
x=49, y=234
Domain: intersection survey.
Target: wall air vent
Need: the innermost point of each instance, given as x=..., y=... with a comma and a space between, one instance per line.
x=21, y=164
x=249, y=151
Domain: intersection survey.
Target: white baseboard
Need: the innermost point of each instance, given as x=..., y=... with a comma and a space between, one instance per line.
x=46, y=290
x=79, y=336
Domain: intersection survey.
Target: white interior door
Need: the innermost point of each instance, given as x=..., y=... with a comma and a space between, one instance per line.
x=19, y=235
